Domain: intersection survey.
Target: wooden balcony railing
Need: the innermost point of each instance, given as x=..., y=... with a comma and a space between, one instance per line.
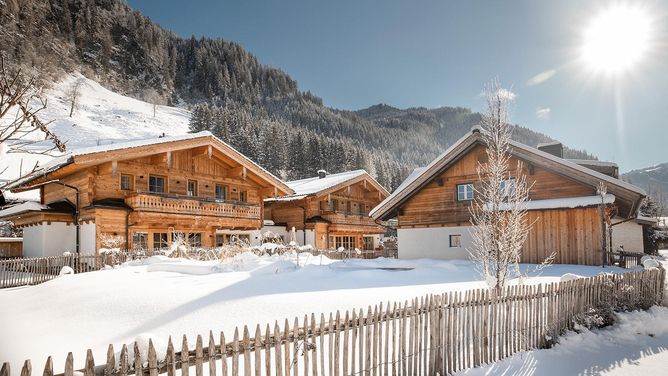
x=191, y=205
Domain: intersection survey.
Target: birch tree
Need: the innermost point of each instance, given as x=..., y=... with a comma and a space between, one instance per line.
x=498, y=211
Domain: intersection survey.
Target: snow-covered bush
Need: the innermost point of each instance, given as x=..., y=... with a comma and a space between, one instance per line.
x=594, y=318
x=66, y=270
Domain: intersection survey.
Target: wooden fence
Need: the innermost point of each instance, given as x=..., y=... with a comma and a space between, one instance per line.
x=436, y=334
x=33, y=271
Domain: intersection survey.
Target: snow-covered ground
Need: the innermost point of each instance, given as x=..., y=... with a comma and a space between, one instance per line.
x=102, y=117
x=162, y=297
x=636, y=345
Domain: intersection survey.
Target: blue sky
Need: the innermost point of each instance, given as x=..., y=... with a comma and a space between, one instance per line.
x=356, y=53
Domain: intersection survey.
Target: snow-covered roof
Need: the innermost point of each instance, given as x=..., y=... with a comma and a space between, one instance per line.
x=315, y=185
x=416, y=171
x=417, y=178
x=565, y=203
x=591, y=162
x=69, y=157
x=25, y=207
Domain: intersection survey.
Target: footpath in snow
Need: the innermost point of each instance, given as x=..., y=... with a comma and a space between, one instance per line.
x=160, y=297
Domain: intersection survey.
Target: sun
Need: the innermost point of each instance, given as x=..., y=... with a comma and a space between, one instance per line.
x=616, y=39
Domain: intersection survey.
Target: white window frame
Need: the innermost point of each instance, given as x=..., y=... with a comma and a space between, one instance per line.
x=465, y=194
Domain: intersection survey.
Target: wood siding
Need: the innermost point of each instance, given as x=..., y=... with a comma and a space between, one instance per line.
x=574, y=235
x=436, y=203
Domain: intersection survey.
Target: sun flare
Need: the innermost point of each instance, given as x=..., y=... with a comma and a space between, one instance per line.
x=616, y=39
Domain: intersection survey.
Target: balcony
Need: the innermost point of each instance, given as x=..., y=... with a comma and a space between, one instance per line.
x=179, y=204
x=348, y=218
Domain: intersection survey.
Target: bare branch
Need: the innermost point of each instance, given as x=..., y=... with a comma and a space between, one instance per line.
x=20, y=104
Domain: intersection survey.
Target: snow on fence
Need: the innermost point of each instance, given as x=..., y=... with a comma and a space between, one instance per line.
x=436, y=334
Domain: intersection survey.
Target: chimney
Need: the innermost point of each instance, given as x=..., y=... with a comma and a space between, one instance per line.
x=555, y=148
x=322, y=174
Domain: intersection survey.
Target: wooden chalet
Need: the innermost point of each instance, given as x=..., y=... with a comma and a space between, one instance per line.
x=432, y=205
x=145, y=192
x=329, y=211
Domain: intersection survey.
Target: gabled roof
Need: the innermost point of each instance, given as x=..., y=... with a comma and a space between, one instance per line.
x=421, y=177
x=317, y=186
x=123, y=150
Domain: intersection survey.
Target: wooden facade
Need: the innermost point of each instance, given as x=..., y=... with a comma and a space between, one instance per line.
x=572, y=233
x=194, y=186
x=338, y=216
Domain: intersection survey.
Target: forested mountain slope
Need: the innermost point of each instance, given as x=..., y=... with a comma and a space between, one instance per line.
x=257, y=108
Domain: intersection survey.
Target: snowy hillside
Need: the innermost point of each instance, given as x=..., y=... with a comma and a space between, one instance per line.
x=101, y=117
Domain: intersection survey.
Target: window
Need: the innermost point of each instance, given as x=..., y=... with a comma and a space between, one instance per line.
x=221, y=192
x=368, y=243
x=192, y=188
x=455, y=241
x=464, y=192
x=140, y=240
x=507, y=187
x=195, y=239
x=345, y=242
x=220, y=240
x=160, y=240
x=156, y=184
x=243, y=196
x=127, y=182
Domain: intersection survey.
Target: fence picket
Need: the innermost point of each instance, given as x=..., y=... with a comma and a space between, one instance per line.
x=246, y=350
x=27, y=368
x=199, y=356
x=185, y=357
x=123, y=368
x=139, y=364
x=48, y=367
x=211, y=354
x=152, y=359
x=170, y=358
x=69, y=364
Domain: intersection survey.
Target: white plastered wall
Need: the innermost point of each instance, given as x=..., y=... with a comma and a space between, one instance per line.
x=287, y=234
x=433, y=242
x=628, y=234
x=87, y=239
x=49, y=239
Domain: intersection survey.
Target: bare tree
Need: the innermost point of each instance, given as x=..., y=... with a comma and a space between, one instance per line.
x=499, y=210
x=73, y=95
x=20, y=125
